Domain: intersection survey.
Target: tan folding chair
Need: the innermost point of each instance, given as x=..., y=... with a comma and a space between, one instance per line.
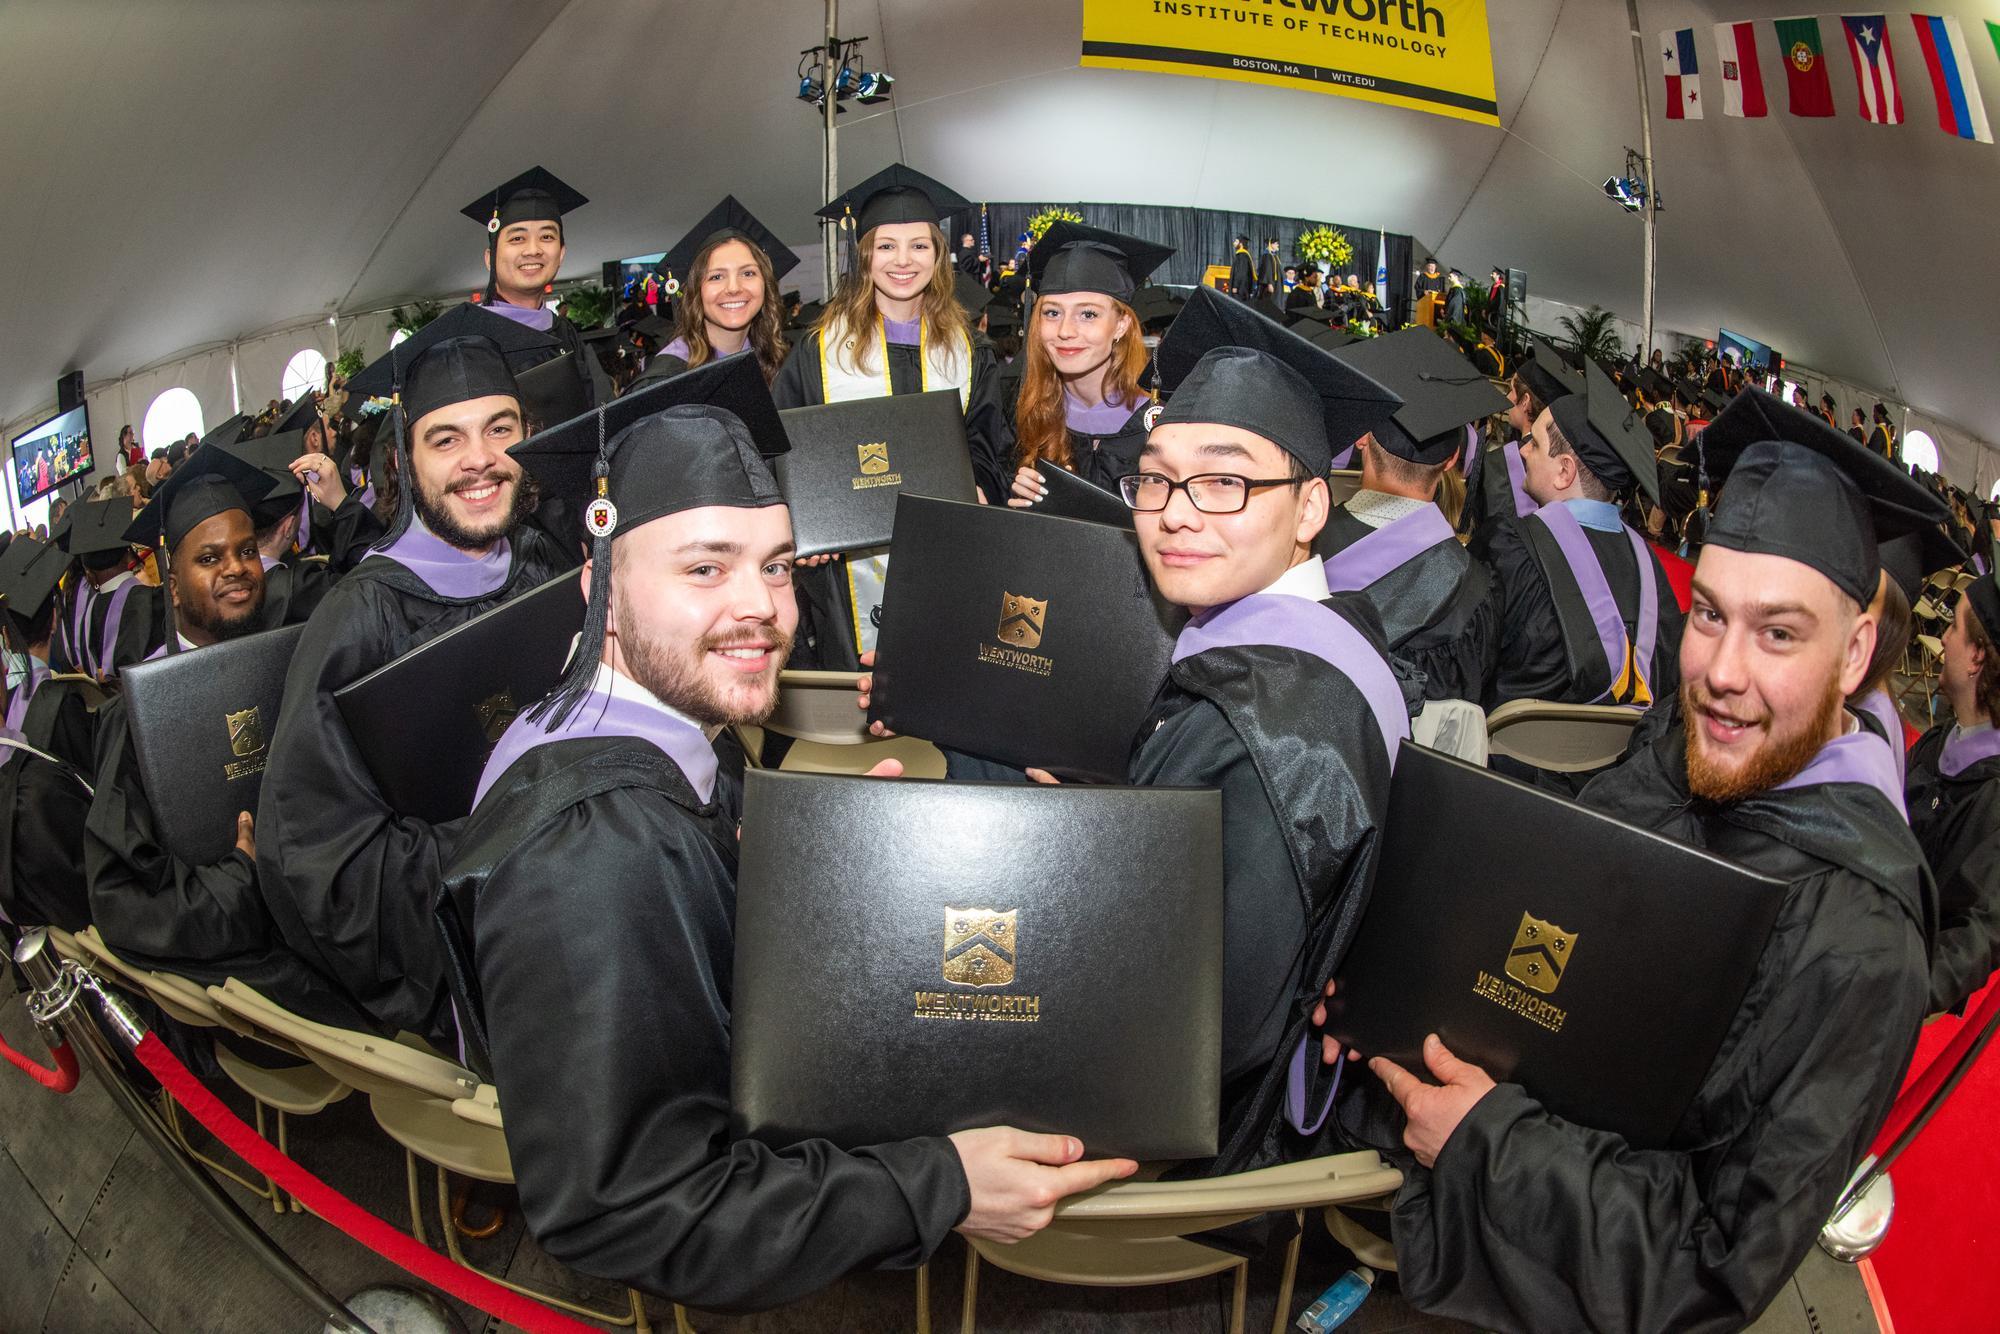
x=1342, y=485
x=1134, y=1233
x=412, y=1092
x=1563, y=738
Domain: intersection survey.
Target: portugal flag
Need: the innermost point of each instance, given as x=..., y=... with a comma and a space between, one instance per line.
x=1805, y=67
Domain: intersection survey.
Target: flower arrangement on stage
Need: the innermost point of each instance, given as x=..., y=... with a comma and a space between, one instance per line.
x=1324, y=245
x=1049, y=217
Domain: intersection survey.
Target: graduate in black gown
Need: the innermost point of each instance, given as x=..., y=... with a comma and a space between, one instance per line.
x=53, y=714
x=894, y=326
x=294, y=583
x=596, y=877
x=1496, y=483
x=340, y=524
x=730, y=265
x=206, y=922
x=1081, y=405
x=525, y=245
x=346, y=877
x=108, y=618
x=1390, y=542
x=1515, y=1219
x=1242, y=271
x=1954, y=800
x=1586, y=613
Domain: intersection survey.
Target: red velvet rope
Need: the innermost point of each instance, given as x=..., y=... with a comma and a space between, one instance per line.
x=60, y=1080
x=343, y=1213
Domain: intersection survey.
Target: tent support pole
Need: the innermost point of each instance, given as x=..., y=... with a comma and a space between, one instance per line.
x=1651, y=209
x=830, y=169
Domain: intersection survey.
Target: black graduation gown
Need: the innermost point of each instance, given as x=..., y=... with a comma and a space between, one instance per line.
x=1530, y=1222
x=1098, y=459
x=345, y=534
x=1296, y=754
x=348, y=880
x=1269, y=276
x=294, y=587
x=207, y=923
x=43, y=807
x=1437, y=610
x=142, y=627
x=599, y=897
x=59, y=721
x=1242, y=276
x=1488, y=361
x=1454, y=305
x=1957, y=823
x=826, y=637
x=1536, y=660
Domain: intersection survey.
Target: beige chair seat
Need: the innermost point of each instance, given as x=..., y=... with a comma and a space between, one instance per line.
x=1564, y=738
x=430, y=1129
x=296, y=1090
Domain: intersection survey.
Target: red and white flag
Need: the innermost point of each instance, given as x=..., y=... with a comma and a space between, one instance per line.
x=1874, y=67
x=1742, y=78
x=1683, y=79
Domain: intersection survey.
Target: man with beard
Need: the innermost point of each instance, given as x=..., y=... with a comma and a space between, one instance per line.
x=207, y=922
x=596, y=876
x=524, y=253
x=1758, y=763
x=347, y=878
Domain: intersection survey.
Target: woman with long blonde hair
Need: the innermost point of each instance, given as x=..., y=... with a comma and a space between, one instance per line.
x=727, y=270
x=893, y=326
x=1081, y=406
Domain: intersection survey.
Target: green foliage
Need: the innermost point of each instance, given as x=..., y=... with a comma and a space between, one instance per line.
x=349, y=363
x=587, y=307
x=1593, y=334
x=419, y=314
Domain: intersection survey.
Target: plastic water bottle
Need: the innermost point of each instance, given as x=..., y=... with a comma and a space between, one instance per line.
x=1338, y=1302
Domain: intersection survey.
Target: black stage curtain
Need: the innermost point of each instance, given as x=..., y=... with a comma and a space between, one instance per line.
x=1201, y=237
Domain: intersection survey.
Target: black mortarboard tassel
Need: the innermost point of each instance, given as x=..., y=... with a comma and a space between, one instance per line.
x=1074, y=258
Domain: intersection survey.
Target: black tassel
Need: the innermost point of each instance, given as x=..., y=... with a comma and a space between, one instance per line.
x=406, y=484
x=578, y=677
x=167, y=587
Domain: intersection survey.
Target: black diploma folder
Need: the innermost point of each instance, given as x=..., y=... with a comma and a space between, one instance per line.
x=1020, y=637
x=849, y=462
x=426, y=722
x=1070, y=497
x=915, y=958
x=1596, y=964
x=202, y=723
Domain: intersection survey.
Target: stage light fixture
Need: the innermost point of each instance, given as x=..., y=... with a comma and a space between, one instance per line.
x=874, y=87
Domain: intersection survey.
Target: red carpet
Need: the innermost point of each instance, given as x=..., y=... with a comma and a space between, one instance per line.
x=1940, y=1267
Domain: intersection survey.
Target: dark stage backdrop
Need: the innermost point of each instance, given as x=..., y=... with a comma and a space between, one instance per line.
x=1201, y=237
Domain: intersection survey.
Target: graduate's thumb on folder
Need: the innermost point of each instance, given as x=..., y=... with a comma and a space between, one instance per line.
x=864, y=694
x=1016, y=1178
x=246, y=835
x=1434, y=1110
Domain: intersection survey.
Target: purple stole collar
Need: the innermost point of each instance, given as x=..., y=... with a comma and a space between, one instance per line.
x=76, y=630
x=1856, y=757
x=1471, y=450
x=910, y=332
x=445, y=569
x=539, y=318
x=267, y=562
x=107, y=646
x=1624, y=658
x=17, y=707
x=1285, y=621
x=1517, y=479
x=1387, y=548
x=600, y=714
x=1344, y=459
x=1106, y=418
x=1877, y=705
x=1964, y=749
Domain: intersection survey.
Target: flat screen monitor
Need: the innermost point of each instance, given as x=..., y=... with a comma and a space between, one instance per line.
x=1743, y=351
x=48, y=455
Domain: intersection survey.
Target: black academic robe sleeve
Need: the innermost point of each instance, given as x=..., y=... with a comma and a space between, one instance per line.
x=348, y=533
x=1530, y=1222
x=605, y=948
x=1967, y=949
x=1529, y=662
x=41, y=879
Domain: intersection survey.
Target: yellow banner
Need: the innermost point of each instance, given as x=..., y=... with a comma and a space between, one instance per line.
x=1427, y=55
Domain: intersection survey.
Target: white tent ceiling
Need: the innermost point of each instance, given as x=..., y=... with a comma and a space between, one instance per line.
x=176, y=175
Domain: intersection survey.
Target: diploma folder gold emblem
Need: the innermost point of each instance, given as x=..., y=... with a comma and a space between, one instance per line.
x=246, y=733
x=1612, y=1018
x=1078, y=989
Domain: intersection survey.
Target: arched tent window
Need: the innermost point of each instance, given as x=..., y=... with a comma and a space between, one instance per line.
x=1920, y=451
x=1994, y=494
x=305, y=373
x=171, y=416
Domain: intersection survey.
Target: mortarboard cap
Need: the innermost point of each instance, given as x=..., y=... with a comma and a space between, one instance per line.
x=1800, y=489
x=30, y=577
x=1658, y=388
x=1547, y=376
x=1442, y=393
x=1002, y=316
x=1074, y=258
x=728, y=220
x=1607, y=434
x=299, y=416
x=462, y=354
x=971, y=294
x=1983, y=593
x=1713, y=401
x=536, y=195
x=1912, y=557
x=895, y=194
x=211, y=482
x=273, y=455
x=228, y=432
x=1227, y=364
x=93, y=526
x=656, y=328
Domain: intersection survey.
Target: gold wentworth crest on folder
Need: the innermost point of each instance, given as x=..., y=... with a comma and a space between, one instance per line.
x=246, y=743
x=1540, y=954
x=874, y=457
x=496, y=713
x=980, y=946
x=1021, y=620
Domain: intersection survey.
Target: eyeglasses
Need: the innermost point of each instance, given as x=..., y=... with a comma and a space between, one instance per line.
x=1209, y=492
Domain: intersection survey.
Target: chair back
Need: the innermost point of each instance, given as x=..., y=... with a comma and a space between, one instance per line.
x=374, y=1065
x=1563, y=738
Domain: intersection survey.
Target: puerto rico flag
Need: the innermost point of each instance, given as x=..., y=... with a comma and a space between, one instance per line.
x=1742, y=78
x=1874, y=68
x=1941, y=42
x=1683, y=79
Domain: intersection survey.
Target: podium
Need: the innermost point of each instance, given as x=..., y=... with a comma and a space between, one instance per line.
x=1428, y=306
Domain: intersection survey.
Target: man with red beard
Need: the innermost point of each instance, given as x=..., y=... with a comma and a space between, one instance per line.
x=596, y=879
x=347, y=877
x=1761, y=764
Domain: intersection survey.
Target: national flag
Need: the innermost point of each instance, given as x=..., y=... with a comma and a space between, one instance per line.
x=1810, y=90
x=1874, y=67
x=1742, y=78
x=1941, y=42
x=1683, y=79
